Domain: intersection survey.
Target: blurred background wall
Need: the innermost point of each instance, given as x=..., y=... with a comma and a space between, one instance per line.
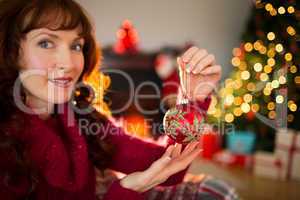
x=212, y=24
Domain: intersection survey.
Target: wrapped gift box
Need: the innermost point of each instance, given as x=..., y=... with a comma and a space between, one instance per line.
x=240, y=142
x=229, y=158
x=295, y=171
x=287, y=148
x=210, y=143
x=269, y=165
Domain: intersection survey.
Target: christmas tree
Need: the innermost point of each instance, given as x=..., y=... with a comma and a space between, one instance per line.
x=262, y=92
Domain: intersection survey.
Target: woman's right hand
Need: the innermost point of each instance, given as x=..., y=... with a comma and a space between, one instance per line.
x=171, y=162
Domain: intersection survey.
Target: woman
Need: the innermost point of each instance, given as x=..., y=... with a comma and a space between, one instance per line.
x=46, y=48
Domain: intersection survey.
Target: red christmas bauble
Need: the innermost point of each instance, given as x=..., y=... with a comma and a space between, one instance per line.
x=184, y=123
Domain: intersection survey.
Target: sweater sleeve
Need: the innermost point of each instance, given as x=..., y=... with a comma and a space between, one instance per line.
x=116, y=191
x=133, y=154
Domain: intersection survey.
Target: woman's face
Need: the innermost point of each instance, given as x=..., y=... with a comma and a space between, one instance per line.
x=51, y=63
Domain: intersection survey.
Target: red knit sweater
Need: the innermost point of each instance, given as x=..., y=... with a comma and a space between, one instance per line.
x=59, y=153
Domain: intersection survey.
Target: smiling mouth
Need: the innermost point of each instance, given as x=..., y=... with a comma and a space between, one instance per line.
x=63, y=82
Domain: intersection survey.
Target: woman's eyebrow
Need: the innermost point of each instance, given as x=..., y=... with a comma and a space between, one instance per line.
x=78, y=38
x=49, y=34
x=56, y=36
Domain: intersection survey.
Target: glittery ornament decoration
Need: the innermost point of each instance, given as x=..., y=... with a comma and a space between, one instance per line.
x=184, y=123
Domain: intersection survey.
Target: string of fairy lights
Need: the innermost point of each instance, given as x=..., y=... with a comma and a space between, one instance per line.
x=261, y=75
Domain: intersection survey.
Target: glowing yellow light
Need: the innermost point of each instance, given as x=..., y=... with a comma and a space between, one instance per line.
x=279, y=99
x=214, y=100
x=235, y=61
x=288, y=56
x=258, y=67
x=275, y=84
x=267, y=69
x=290, y=102
x=291, y=9
x=211, y=110
x=268, y=7
x=263, y=50
x=271, y=53
x=248, y=47
x=282, y=80
x=271, y=62
x=245, y=75
x=271, y=106
x=255, y=107
x=267, y=91
x=293, y=69
x=297, y=79
x=291, y=30
x=271, y=36
x=281, y=10
x=229, y=117
x=237, y=111
x=272, y=114
x=293, y=107
x=290, y=118
x=257, y=45
x=264, y=77
x=228, y=82
x=217, y=113
x=269, y=86
x=251, y=86
x=237, y=84
x=247, y=98
x=279, y=48
x=273, y=12
x=243, y=66
x=245, y=107
x=238, y=101
x=229, y=100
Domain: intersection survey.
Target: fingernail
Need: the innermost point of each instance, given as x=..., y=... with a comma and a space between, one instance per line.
x=168, y=158
x=188, y=68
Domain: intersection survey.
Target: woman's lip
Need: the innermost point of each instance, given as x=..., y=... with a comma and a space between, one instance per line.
x=63, y=82
x=63, y=79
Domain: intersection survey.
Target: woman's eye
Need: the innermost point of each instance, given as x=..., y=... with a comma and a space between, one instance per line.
x=45, y=44
x=78, y=47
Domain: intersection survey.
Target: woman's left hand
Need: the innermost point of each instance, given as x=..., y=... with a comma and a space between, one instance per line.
x=199, y=73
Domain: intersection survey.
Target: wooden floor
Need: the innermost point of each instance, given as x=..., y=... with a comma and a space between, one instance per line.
x=249, y=186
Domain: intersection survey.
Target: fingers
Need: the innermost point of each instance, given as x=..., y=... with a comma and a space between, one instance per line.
x=159, y=164
x=197, y=60
x=183, y=161
x=180, y=63
x=187, y=56
x=168, y=152
x=197, y=57
x=192, y=155
x=215, y=69
x=177, y=150
x=203, y=63
x=189, y=148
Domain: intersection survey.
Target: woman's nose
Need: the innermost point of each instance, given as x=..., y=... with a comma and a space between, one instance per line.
x=64, y=59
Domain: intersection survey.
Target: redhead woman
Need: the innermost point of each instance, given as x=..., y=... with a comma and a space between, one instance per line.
x=46, y=48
